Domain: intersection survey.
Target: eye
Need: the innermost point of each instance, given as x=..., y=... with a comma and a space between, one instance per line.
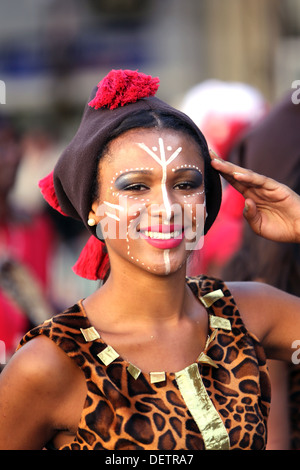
x=136, y=187
x=185, y=185
x=187, y=179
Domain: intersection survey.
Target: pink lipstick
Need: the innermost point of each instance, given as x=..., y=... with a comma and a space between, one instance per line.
x=164, y=237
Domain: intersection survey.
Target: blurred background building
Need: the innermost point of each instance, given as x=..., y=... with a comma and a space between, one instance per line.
x=53, y=51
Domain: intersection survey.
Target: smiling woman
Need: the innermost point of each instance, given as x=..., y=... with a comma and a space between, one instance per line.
x=151, y=360
x=152, y=198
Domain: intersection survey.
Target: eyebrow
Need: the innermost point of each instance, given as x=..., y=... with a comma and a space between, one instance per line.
x=196, y=170
x=125, y=177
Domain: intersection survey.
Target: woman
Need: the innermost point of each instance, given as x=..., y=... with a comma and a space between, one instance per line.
x=157, y=361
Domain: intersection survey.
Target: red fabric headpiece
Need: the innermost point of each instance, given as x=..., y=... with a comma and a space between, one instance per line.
x=121, y=87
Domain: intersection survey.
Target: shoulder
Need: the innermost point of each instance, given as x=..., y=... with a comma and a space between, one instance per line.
x=38, y=388
x=252, y=300
x=269, y=313
x=44, y=359
x=40, y=366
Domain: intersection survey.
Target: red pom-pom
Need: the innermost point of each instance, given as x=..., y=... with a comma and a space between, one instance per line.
x=121, y=87
x=93, y=262
x=48, y=191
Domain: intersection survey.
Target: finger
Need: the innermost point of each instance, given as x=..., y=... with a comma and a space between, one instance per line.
x=234, y=174
x=252, y=215
x=227, y=169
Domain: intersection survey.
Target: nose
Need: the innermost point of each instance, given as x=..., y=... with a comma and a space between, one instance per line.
x=163, y=206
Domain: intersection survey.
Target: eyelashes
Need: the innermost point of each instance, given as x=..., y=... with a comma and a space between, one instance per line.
x=135, y=187
x=183, y=179
x=187, y=185
x=181, y=186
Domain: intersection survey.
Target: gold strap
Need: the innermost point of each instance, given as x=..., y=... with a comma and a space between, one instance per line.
x=202, y=409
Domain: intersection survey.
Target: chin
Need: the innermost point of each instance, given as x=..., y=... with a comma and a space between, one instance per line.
x=166, y=269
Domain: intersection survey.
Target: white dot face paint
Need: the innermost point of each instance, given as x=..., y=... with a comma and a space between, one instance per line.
x=149, y=192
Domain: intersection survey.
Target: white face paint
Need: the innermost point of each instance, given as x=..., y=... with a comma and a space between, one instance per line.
x=113, y=206
x=163, y=162
x=137, y=204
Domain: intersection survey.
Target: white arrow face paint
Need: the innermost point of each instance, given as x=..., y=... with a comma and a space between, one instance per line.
x=113, y=206
x=163, y=162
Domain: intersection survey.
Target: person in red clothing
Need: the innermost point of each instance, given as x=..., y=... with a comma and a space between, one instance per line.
x=224, y=111
x=25, y=248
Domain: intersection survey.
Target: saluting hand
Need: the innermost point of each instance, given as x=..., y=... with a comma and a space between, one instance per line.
x=271, y=208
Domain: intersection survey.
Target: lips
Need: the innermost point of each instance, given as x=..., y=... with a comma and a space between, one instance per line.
x=164, y=237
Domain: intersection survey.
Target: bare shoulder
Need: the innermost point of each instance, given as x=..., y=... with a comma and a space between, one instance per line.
x=37, y=387
x=271, y=314
x=40, y=363
x=253, y=293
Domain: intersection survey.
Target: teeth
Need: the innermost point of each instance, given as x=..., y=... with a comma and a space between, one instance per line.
x=162, y=236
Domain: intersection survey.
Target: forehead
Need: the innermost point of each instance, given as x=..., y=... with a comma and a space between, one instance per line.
x=151, y=147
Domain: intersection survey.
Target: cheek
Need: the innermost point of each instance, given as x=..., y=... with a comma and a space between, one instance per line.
x=194, y=221
x=195, y=208
x=132, y=210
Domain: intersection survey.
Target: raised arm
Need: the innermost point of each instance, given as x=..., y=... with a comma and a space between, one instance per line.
x=271, y=208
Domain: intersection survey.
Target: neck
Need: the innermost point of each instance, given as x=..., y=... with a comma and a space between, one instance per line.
x=145, y=298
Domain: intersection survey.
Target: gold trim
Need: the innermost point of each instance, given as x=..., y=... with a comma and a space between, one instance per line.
x=156, y=377
x=210, y=338
x=90, y=334
x=134, y=371
x=108, y=355
x=202, y=409
x=211, y=297
x=219, y=322
x=207, y=360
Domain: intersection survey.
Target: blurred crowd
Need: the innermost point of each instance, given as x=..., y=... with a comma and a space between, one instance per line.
x=37, y=246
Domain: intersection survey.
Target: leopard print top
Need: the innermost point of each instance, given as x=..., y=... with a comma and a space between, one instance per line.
x=125, y=410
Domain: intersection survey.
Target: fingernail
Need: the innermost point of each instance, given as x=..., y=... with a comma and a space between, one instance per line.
x=246, y=206
x=216, y=157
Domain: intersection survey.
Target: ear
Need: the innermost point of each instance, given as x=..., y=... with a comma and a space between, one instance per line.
x=93, y=214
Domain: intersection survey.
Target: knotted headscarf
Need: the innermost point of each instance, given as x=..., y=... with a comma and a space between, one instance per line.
x=68, y=188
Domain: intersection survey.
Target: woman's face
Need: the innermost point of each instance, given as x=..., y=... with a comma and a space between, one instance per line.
x=151, y=205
